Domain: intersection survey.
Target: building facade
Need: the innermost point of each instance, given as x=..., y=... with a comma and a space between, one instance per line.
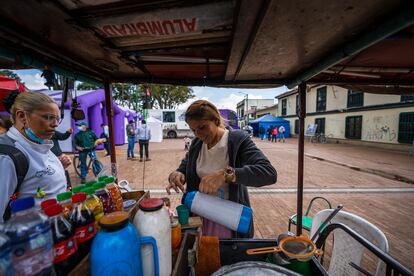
x=271, y=110
x=246, y=109
x=344, y=114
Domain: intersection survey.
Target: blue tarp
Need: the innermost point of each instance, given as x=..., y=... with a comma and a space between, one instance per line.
x=269, y=121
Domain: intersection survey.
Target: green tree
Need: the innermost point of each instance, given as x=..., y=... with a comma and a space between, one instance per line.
x=86, y=86
x=166, y=96
x=10, y=74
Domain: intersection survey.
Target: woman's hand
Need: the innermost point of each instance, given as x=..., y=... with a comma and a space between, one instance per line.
x=176, y=181
x=211, y=183
x=65, y=160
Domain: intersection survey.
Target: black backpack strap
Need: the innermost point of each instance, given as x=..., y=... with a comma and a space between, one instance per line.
x=21, y=165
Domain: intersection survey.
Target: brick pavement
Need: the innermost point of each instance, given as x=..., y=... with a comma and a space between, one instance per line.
x=391, y=212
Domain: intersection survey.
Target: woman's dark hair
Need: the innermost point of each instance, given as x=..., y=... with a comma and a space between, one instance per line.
x=143, y=122
x=204, y=110
x=5, y=122
x=131, y=121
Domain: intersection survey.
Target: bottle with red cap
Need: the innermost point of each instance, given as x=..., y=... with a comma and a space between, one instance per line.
x=83, y=220
x=48, y=202
x=65, y=247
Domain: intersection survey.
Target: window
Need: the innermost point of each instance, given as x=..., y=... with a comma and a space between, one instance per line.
x=296, y=126
x=284, y=104
x=321, y=99
x=406, y=128
x=355, y=98
x=321, y=125
x=168, y=116
x=407, y=98
x=353, y=127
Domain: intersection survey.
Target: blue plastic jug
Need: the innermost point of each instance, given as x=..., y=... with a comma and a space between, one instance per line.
x=116, y=249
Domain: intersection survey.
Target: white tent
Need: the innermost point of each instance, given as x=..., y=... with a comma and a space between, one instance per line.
x=155, y=126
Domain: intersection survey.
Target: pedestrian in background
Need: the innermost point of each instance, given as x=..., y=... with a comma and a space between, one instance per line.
x=274, y=134
x=187, y=142
x=5, y=123
x=144, y=135
x=130, y=131
x=60, y=136
x=261, y=132
x=282, y=133
x=269, y=133
x=105, y=134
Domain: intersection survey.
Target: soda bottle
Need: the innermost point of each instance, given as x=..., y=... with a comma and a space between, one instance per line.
x=31, y=239
x=48, y=202
x=115, y=193
x=83, y=221
x=65, y=247
x=104, y=196
x=6, y=268
x=65, y=199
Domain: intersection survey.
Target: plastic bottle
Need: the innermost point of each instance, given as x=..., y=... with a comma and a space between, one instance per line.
x=115, y=193
x=232, y=215
x=6, y=268
x=64, y=241
x=152, y=219
x=104, y=196
x=78, y=189
x=65, y=199
x=48, y=202
x=94, y=204
x=83, y=221
x=31, y=239
x=116, y=249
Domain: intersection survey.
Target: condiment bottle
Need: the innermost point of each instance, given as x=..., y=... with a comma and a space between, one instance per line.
x=83, y=220
x=115, y=193
x=104, y=196
x=94, y=204
x=65, y=199
x=175, y=233
x=65, y=246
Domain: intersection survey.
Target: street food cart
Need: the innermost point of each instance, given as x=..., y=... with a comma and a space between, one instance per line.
x=362, y=45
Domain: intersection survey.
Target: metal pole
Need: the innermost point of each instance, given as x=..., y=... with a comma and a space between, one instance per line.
x=109, y=114
x=247, y=103
x=301, y=146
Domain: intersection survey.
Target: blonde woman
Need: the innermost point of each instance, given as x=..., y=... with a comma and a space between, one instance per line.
x=35, y=117
x=221, y=162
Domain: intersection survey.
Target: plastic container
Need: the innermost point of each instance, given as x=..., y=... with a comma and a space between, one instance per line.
x=104, y=196
x=65, y=199
x=116, y=249
x=152, y=219
x=175, y=234
x=94, y=204
x=6, y=268
x=115, y=193
x=65, y=247
x=83, y=221
x=234, y=216
x=31, y=239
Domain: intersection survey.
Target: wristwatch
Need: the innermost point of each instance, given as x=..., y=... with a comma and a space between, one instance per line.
x=229, y=175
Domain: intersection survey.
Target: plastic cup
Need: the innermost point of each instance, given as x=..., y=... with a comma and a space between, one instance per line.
x=183, y=214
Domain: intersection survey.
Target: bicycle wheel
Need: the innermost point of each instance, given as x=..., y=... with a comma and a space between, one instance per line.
x=314, y=139
x=76, y=165
x=323, y=139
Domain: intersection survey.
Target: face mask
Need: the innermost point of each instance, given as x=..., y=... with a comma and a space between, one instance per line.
x=80, y=128
x=29, y=132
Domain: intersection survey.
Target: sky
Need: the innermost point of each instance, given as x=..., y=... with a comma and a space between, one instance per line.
x=223, y=98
